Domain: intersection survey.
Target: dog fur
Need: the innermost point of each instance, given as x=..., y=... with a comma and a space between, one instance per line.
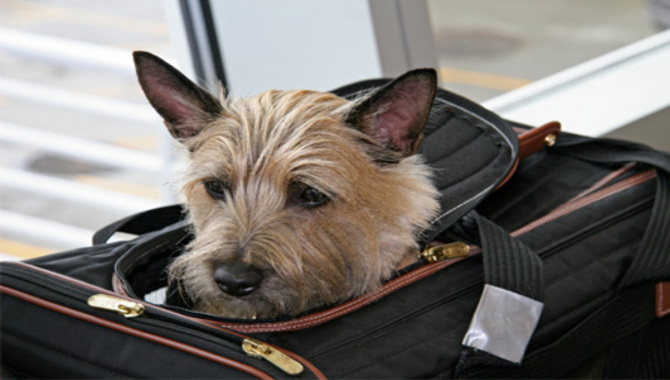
x=299, y=198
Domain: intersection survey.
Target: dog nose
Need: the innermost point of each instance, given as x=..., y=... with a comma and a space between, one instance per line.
x=238, y=279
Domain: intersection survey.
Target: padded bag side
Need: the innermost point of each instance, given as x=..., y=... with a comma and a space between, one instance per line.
x=638, y=250
x=51, y=329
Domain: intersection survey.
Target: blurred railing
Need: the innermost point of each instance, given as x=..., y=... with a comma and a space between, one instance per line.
x=92, y=198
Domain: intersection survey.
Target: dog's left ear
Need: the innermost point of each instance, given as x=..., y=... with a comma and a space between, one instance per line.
x=185, y=107
x=396, y=113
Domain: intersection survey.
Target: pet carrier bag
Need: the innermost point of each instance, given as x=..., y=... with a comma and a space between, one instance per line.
x=561, y=269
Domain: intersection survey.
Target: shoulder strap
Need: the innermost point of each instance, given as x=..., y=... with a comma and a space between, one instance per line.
x=141, y=223
x=652, y=260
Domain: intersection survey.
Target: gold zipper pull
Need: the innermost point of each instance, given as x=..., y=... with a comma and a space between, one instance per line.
x=128, y=309
x=258, y=349
x=445, y=252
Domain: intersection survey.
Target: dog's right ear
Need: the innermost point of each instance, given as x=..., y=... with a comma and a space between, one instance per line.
x=185, y=107
x=396, y=113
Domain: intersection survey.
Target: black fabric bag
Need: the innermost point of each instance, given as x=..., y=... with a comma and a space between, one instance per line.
x=581, y=227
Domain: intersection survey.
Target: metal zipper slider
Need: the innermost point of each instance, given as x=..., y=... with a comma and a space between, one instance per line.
x=128, y=309
x=258, y=349
x=446, y=251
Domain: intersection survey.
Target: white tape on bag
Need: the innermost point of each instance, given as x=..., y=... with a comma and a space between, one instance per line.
x=503, y=323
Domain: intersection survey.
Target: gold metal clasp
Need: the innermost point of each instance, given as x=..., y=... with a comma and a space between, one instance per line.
x=550, y=139
x=445, y=252
x=258, y=349
x=128, y=309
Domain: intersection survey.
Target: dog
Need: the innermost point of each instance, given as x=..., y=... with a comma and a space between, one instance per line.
x=298, y=199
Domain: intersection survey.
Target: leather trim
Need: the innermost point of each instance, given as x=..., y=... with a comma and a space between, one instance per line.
x=530, y=142
x=118, y=286
x=533, y=140
x=134, y=332
x=346, y=308
x=209, y=323
x=605, y=181
x=663, y=299
x=572, y=206
x=510, y=174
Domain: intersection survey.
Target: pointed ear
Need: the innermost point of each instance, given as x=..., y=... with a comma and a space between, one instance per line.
x=185, y=107
x=396, y=113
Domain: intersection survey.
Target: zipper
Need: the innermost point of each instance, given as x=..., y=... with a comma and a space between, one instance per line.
x=445, y=252
x=154, y=316
x=128, y=309
x=252, y=347
x=261, y=350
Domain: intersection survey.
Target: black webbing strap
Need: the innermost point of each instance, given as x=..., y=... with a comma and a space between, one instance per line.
x=141, y=223
x=608, y=151
x=628, y=312
x=507, y=262
x=652, y=260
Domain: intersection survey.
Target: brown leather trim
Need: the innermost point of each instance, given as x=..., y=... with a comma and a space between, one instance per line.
x=210, y=323
x=305, y=362
x=663, y=299
x=135, y=332
x=530, y=142
x=567, y=208
x=605, y=180
x=117, y=286
x=346, y=308
x=533, y=140
x=510, y=174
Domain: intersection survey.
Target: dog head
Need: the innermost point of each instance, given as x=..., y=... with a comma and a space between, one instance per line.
x=297, y=198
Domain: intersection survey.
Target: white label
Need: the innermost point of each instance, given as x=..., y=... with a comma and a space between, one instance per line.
x=503, y=323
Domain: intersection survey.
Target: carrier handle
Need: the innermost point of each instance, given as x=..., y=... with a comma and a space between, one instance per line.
x=141, y=223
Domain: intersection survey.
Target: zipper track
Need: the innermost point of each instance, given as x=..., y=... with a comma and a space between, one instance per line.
x=137, y=333
x=153, y=316
x=81, y=291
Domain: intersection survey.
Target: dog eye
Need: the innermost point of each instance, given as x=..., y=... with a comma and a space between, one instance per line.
x=217, y=189
x=311, y=197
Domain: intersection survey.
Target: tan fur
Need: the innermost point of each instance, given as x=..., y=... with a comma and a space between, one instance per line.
x=298, y=199
x=344, y=249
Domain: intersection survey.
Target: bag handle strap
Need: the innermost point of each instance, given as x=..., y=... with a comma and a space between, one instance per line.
x=141, y=223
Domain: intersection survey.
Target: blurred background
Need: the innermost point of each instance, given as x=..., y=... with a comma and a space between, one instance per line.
x=80, y=147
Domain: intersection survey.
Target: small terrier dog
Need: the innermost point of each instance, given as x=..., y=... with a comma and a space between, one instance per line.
x=298, y=199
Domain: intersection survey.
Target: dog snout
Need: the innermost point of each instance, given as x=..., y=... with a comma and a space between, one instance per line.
x=237, y=278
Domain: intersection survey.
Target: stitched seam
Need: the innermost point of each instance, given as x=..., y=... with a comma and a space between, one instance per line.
x=347, y=308
x=661, y=309
x=137, y=333
x=567, y=209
